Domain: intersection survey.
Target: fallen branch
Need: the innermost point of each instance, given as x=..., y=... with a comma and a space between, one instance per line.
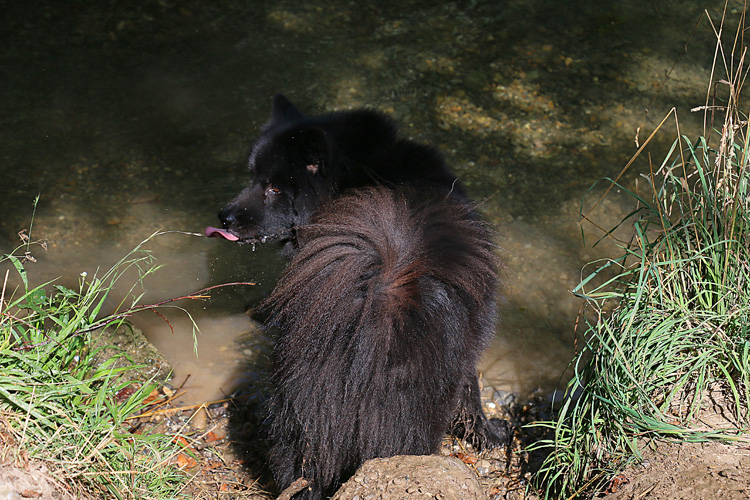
x=294, y=488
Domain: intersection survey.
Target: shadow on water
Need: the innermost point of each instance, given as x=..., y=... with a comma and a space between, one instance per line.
x=128, y=117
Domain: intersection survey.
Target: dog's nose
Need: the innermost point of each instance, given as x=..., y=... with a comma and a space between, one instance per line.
x=228, y=217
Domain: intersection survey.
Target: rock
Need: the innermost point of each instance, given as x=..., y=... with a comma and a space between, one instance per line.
x=413, y=477
x=32, y=481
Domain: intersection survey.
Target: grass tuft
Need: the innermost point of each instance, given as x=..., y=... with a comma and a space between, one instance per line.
x=60, y=405
x=669, y=337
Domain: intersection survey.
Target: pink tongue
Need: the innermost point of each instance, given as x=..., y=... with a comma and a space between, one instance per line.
x=212, y=232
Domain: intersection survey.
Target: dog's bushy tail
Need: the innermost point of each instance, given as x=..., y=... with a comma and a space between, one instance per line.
x=382, y=313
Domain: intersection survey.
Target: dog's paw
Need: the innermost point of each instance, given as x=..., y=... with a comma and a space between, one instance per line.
x=495, y=433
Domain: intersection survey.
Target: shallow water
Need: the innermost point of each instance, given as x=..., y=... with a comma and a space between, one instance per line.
x=132, y=117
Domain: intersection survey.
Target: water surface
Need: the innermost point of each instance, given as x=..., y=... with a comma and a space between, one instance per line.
x=129, y=117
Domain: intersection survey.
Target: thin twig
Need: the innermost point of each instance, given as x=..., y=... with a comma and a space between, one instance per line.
x=199, y=295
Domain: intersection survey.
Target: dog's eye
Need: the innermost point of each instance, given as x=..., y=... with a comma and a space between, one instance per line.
x=271, y=190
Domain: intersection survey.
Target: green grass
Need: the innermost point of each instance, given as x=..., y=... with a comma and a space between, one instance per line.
x=62, y=406
x=670, y=325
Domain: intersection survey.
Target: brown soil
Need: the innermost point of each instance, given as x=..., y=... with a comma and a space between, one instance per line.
x=686, y=471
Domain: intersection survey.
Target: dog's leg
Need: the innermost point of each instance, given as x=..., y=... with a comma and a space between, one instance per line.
x=472, y=425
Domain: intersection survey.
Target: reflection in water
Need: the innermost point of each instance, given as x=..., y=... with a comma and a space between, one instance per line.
x=137, y=117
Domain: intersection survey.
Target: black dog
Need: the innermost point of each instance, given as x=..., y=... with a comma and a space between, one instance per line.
x=387, y=302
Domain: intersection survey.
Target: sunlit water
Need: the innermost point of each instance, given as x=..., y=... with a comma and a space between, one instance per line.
x=129, y=118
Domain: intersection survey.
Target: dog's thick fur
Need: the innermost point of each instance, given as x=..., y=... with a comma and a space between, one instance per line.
x=386, y=305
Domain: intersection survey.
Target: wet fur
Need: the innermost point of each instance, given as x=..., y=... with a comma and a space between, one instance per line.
x=386, y=305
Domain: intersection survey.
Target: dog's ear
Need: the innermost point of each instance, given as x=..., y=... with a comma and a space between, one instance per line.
x=317, y=149
x=283, y=111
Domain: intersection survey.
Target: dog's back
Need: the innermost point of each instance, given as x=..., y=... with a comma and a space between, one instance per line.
x=383, y=313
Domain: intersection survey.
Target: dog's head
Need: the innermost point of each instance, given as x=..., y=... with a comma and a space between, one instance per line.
x=291, y=178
